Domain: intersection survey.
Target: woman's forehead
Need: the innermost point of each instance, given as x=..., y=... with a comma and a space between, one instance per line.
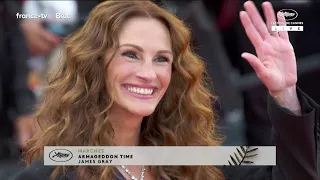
x=147, y=33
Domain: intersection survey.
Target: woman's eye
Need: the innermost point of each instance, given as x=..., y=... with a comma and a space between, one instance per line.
x=161, y=59
x=130, y=54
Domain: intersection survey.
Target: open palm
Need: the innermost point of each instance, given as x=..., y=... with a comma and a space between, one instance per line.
x=275, y=63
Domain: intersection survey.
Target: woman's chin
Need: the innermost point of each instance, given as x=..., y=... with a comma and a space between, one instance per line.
x=142, y=111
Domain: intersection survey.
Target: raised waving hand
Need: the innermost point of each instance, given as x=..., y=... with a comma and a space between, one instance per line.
x=275, y=61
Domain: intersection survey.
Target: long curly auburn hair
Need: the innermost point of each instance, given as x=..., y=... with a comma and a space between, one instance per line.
x=76, y=104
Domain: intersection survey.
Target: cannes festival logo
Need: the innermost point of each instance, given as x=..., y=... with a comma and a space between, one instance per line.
x=60, y=155
x=289, y=14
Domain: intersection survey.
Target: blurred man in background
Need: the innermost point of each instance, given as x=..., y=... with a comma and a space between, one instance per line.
x=16, y=99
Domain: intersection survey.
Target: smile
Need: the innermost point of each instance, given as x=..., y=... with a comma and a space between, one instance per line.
x=140, y=92
x=137, y=90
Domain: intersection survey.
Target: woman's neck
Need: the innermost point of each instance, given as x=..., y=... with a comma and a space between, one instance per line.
x=126, y=128
x=126, y=138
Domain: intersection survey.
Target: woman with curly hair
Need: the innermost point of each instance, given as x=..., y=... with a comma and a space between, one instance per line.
x=130, y=78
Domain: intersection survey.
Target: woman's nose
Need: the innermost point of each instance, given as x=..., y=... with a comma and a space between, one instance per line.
x=146, y=72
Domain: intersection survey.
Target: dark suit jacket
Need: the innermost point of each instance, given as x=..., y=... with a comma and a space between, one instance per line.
x=15, y=95
x=296, y=138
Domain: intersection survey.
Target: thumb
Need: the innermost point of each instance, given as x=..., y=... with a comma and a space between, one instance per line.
x=254, y=62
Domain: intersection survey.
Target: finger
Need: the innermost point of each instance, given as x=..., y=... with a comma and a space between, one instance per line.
x=36, y=44
x=22, y=143
x=40, y=46
x=270, y=16
x=256, y=19
x=251, y=31
x=282, y=22
x=255, y=63
x=24, y=130
x=49, y=37
x=24, y=136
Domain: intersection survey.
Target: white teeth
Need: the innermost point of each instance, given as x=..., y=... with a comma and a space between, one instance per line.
x=140, y=90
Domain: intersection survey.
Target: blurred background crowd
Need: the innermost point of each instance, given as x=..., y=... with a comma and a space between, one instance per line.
x=30, y=48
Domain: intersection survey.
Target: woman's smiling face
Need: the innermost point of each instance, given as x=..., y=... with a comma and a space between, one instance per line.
x=140, y=72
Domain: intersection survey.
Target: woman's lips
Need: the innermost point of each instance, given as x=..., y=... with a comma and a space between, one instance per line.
x=138, y=95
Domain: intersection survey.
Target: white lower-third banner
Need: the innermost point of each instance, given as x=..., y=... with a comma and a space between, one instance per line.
x=160, y=155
